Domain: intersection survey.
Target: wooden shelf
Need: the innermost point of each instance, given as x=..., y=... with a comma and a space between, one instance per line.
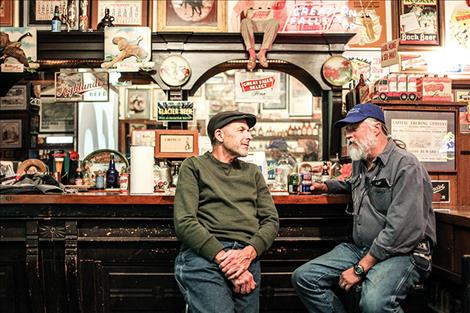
x=287, y=120
x=294, y=137
x=418, y=103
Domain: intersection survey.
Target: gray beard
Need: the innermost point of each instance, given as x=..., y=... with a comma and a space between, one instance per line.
x=360, y=149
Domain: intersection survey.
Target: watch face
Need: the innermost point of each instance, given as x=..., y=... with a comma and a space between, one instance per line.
x=358, y=270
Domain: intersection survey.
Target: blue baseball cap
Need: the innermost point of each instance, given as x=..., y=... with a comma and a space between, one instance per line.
x=360, y=112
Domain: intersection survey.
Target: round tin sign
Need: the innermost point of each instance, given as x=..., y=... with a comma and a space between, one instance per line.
x=175, y=70
x=337, y=70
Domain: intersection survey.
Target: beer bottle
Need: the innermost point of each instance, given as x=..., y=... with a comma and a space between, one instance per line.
x=324, y=174
x=112, y=175
x=56, y=24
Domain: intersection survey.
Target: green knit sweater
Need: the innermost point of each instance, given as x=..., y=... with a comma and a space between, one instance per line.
x=217, y=202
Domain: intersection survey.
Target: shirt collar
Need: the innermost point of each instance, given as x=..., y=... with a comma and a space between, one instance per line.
x=385, y=155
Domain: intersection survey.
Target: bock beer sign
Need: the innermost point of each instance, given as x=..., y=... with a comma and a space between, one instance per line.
x=81, y=86
x=177, y=111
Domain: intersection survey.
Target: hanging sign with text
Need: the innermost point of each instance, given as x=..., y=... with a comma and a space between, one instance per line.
x=177, y=111
x=81, y=86
x=389, y=53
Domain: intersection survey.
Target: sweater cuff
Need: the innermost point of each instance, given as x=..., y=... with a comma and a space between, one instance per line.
x=210, y=248
x=259, y=245
x=378, y=252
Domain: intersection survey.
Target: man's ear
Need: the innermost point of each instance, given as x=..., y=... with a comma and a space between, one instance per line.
x=219, y=135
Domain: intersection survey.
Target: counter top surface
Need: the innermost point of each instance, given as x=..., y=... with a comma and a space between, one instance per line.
x=105, y=197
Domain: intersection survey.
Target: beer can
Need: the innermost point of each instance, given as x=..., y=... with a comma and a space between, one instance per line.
x=305, y=187
x=124, y=182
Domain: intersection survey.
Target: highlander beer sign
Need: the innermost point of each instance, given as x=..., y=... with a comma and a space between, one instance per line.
x=176, y=111
x=81, y=86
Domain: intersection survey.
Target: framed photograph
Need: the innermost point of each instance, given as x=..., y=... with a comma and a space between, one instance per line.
x=10, y=134
x=176, y=143
x=15, y=99
x=6, y=12
x=430, y=136
x=42, y=11
x=125, y=13
x=418, y=23
x=194, y=16
x=300, y=99
x=57, y=117
x=138, y=103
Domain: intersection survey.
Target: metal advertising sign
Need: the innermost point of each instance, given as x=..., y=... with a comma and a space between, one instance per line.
x=178, y=111
x=81, y=86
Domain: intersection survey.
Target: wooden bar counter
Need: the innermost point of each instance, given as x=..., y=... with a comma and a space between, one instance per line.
x=111, y=252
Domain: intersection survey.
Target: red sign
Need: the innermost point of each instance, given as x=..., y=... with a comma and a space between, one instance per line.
x=257, y=84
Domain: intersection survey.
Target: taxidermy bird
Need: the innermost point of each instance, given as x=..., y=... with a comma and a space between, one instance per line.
x=13, y=48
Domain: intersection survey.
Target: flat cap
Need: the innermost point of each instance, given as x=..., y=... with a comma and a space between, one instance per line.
x=223, y=118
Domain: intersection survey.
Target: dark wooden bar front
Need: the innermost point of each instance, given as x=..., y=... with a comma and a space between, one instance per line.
x=106, y=252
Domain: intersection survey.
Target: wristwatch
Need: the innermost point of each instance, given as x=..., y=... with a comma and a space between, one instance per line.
x=359, y=270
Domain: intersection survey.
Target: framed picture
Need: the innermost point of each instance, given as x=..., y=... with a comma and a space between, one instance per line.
x=6, y=12
x=42, y=11
x=125, y=13
x=369, y=23
x=440, y=191
x=194, y=16
x=57, y=117
x=430, y=136
x=176, y=143
x=138, y=103
x=10, y=134
x=143, y=137
x=15, y=99
x=300, y=99
x=418, y=23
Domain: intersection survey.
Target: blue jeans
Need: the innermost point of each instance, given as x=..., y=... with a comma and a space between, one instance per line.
x=206, y=289
x=385, y=286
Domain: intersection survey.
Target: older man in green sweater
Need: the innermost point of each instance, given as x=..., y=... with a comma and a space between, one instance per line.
x=226, y=218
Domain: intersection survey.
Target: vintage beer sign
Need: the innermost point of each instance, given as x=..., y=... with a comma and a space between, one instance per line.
x=81, y=86
x=262, y=87
x=177, y=111
x=389, y=53
x=440, y=191
x=419, y=22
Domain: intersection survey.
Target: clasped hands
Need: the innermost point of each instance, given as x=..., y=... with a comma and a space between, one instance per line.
x=234, y=264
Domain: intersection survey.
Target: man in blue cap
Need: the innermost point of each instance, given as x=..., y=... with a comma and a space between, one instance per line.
x=393, y=223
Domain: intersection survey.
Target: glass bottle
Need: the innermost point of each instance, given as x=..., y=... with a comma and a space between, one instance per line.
x=324, y=173
x=112, y=175
x=335, y=169
x=56, y=23
x=304, y=129
x=79, y=176
x=283, y=171
x=309, y=129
